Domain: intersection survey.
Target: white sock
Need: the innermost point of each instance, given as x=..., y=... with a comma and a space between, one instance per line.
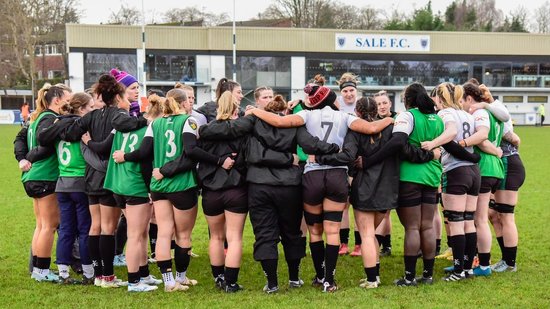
x=88, y=270
x=484, y=267
x=63, y=271
x=43, y=272
x=168, y=279
x=180, y=277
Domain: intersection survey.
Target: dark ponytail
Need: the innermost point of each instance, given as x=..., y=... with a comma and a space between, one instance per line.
x=416, y=96
x=225, y=85
x=109, y=88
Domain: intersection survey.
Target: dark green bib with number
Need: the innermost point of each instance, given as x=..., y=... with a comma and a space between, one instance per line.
x=70, y=159
x=43, y=170
x=426, y=128
x=168, y=145
x=490, y=165
x=125, y=178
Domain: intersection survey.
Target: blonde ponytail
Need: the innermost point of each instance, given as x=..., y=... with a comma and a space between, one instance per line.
x=170, y=107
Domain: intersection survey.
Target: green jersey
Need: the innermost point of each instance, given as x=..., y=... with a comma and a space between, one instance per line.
x=126, y=178
x=490, y=165
x=45, y=169
x=168, y=145
x=420, y=127
x=299, y=151
x=70, y=160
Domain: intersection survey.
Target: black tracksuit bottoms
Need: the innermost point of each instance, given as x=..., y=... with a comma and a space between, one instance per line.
x=276, y=215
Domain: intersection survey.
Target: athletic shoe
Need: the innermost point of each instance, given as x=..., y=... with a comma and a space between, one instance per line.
x=88, y=281
x=449, y=269
x=295, y=284
x=343, y=249
x=385, y=251
x=504, y=268
x=356, y=251
x=220, y=282
x=98, y=281
x=152, y=260
x=120, y=282
x=269, y=290
x=368, y=285
x=317, y=283
x=109, y=283
x=50, y=277
x=232, y=288
x=454, y=277
x=68, y=281
x=120, y=260
x=446, y=254
x=176, y=287
x=141, y=287
x=188, y=282
x=329, y=288
x=151, y=280
x=405, y=282
x=482, y=272
x=497, y=264
x=424, y=280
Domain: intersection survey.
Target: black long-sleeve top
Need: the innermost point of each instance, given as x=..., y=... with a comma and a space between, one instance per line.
x=269, y=152
x=21, y=150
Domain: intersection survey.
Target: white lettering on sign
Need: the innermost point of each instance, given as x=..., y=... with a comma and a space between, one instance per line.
x=382, y=42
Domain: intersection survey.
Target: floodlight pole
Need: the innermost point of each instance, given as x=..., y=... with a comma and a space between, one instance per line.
x=234, y=67
x=144, y=70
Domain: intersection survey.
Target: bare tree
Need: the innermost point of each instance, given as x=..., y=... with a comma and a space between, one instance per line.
x=193, y=14
x=369, y=19
x=303, y=13
x=542, y=18
x=125, y=16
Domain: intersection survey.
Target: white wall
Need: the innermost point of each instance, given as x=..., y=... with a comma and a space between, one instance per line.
x=297, y=77
x=76, y=71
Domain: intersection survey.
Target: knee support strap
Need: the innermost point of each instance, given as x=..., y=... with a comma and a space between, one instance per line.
x=334, y=216
x=492, y=204
x=504, y=208
x=454, y=216
x=312, y=219
x=469, y=215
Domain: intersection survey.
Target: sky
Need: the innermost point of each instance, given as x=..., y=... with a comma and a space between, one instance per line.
x=98, y=11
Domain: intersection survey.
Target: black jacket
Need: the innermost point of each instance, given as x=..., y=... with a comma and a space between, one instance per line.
x=269, y=151
x=21, y=150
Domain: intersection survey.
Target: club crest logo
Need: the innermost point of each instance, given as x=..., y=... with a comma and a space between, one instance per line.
x=424, y=43
x=341, y=41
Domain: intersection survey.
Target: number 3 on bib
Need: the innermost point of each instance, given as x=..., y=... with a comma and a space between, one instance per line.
x=171, y=136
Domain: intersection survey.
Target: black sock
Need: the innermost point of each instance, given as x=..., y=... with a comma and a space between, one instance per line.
x=331, y=257
x=357, y=238
x=107, y=251
x=387, y=241
x=380, y=239
x=270, y=271
x=93, y=249
x=225, y=244
x=217, y=271
x=318, y=256
x=510, y=257
x=181, y=258
x=410, y=266
x=133, y=277
x=437, y=246
x=378, y=269
x=500, y=241
x=34, y=257
x=449, y=242
x=144, y=271
x=484, y=258
x=293, y=269
x=121, y=235
x=165, y=266
x=43, y=262
x=459, y=243
x=428, y=268
x=231, y=275
x=153, y=231
x=344, y=236
x=173, y=245
x=371, y=273
x=470, y=250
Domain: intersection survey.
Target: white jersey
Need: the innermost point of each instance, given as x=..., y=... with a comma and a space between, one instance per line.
x=329, y=126
x=464, y=123
x=346, y=108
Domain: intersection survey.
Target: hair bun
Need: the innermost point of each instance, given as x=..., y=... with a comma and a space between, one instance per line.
x=309, y=88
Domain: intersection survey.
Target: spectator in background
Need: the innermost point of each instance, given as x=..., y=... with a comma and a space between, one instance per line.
x=24, y=113
x=541, y=112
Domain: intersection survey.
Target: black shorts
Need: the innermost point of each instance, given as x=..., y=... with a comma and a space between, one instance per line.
x=462, y=180
x=320, y=184
x=414, y=194
x=235, y=200
x=514, y=173
x=39, y=189
x=105, y=200
x=489, y=184
x=182, y=200
x=123, y=200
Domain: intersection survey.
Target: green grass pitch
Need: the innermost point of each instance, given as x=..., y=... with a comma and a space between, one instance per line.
x=527, y=288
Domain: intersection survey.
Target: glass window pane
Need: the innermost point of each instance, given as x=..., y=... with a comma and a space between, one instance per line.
x=97, y=64
x=498, y=74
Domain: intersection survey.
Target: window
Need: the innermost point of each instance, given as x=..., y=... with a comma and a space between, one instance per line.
x=96, y=64
x=171, y=68
x=498, y=74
